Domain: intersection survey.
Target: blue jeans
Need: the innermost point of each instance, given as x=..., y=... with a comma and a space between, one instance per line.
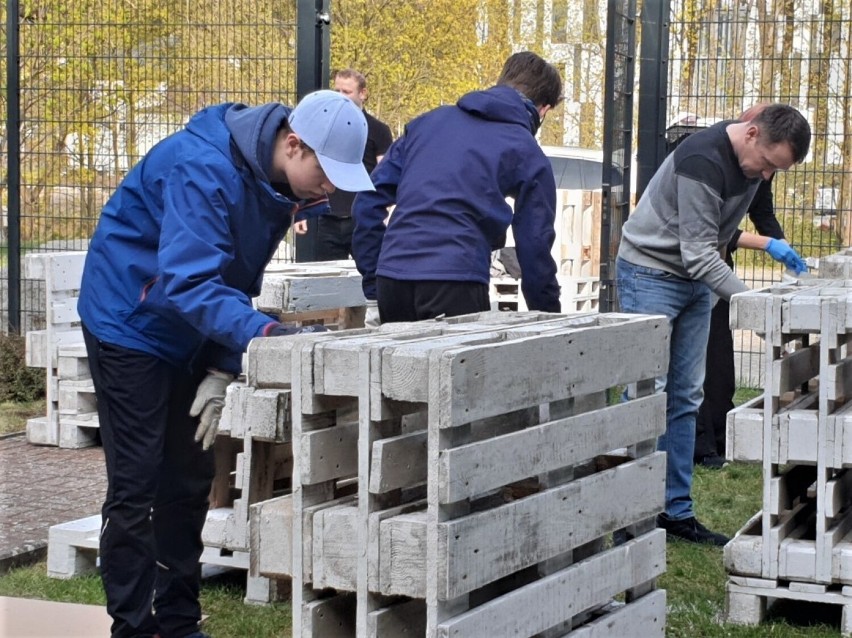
x=687, y=305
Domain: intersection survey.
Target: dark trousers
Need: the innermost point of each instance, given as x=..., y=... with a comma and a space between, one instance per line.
x=719, y=386
x=400, y=300
x=334, y=237
x=157, y=492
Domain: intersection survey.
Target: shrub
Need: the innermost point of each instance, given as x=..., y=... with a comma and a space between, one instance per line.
x=18, y=383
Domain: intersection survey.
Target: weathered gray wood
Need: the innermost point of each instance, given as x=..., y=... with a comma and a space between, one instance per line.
x=405, y=368
x=791, y=485
x=329, y=453
x=268, y=359
x=307, y=292
x=478, y=467
x=743, y=607
x=305, y=496
x=326, y=617
x=842, y=428
x=838, y=380
x=471, y=550
x=645, y=616
x=398, y=462
x=838, y=494
x=402, y=563
x=271, y=534
x=744, y=432
x=559, y=596
x=797, y=437
x=402, y=619
x=785, y=593
x=557, y=362
x=794, y=370
x=336, y=362
x=335, y=547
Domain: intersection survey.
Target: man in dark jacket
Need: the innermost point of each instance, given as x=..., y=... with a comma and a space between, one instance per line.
x=179, y=251
x=449, y=176
x=334, y=232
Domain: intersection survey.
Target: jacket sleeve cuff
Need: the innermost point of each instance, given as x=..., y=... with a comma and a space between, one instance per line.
x=265, y=330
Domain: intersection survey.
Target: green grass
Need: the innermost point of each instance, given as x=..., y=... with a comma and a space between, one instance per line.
x=13, y=416
x=695, y=577
x=221, y=600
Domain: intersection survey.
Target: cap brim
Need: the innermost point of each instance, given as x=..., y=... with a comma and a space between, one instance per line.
x=348, y=177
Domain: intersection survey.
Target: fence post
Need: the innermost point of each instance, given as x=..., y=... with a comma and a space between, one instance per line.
x=312, y=73
x=653, y=91
x=13, y=174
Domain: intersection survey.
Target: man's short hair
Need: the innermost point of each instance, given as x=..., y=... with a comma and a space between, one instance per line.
x=352, y=74
x=534, y=77
x=783, y=123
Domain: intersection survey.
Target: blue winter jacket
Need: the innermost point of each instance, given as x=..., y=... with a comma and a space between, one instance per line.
x=449, y=176
x=181, y=246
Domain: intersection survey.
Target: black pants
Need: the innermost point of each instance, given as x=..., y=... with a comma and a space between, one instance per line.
x=334, y=237
x=416, y=300
x=157, y=492
x=719, y=385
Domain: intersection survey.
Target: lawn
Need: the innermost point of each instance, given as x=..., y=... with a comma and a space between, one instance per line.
x=13, y=416
x=695, y=578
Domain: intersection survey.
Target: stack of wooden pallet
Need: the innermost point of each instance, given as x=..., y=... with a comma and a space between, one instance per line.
x=70, y=419
x=576, y=251
x=322, y=292
x=450, y=477
x=799, y=546
x=837, y=266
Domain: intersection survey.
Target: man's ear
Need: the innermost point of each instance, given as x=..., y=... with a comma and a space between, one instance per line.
x=542, y=111
x=752, y=132
x=292, y=144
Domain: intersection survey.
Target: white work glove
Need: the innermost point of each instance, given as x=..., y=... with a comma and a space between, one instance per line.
x=372, y=319
x=208, y=404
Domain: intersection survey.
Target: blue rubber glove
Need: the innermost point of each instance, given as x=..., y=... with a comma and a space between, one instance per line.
x=283, y=330
x=780, y=251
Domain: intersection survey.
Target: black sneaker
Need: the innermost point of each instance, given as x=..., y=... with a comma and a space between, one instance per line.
x=691, y=531
x=712, y=461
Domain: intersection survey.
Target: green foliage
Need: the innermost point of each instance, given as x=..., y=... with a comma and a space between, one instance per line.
x=17, y=381
x=414, y=64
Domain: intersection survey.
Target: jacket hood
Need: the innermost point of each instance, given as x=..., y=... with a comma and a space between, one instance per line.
x=501, y=104
x=254, y=129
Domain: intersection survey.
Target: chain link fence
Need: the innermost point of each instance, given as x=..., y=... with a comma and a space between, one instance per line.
x=101, y=82
x=725, y=56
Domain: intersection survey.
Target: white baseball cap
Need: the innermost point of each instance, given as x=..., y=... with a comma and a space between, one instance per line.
x=336, y=130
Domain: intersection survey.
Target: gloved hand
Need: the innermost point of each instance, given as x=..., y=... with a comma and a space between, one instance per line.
x=783, y=252
x=282, y=330
x=372, y=318
x=208, y=404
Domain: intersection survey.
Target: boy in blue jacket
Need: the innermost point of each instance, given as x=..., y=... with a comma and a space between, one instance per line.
x=449, y=176
x=179, y=250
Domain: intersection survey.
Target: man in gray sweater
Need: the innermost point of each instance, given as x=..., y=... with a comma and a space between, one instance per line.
x=670, y=262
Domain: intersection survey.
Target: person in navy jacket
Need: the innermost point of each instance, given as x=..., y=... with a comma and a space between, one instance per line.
x=449, y=176
x=165, y=302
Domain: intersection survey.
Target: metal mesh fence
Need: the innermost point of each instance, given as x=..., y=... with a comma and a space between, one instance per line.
x=102, y=81
x=725, y=56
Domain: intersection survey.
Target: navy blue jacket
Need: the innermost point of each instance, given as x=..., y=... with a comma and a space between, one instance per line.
x=181, y=246
x=449, y=176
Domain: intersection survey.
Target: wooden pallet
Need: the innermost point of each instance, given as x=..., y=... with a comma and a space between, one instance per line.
x=796, y=430
x=386, y=376
x=747, y=600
